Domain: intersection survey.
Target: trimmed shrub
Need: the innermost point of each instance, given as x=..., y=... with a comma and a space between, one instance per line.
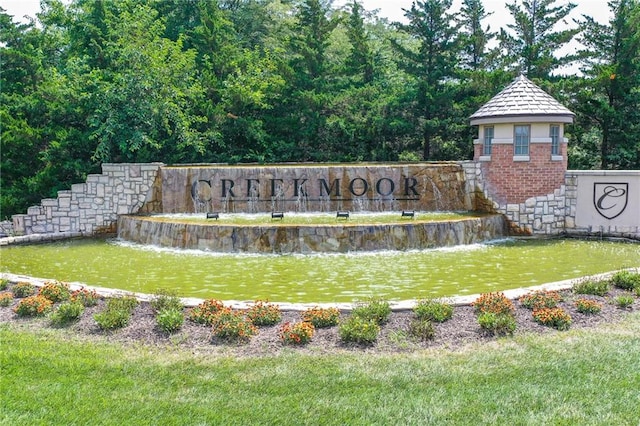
x=117, y=313
x=170, y=320
x=433, y=310
x=591, y=287
x=557, y=318
x=165, y=299
x=377, y=310
x=540, y=299
x=624, y=301
x=264, y=313
x=23, y=289
x=125, y=303
x=205, y=311
x=232, y=325
x=33, y=306
x=85, y=297
x=321, y=317
x=66, y=313
x=588, y=306
x=55, y=291
x=500, y=324
x=626, y=280
x=6, y=299
x=358, y=329
x=4, y=283
x=297, y=333
x=496, y=303
x=111, y=319
x=421, y=329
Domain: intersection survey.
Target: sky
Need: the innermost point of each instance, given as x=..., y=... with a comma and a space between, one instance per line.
x=391, y=9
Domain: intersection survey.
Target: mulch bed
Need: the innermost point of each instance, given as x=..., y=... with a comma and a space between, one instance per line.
x=454, y=334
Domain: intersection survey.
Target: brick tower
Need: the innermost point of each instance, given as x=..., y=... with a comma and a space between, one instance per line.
x=521, y=145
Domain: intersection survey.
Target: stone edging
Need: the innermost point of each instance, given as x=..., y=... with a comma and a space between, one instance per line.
x=403, y=305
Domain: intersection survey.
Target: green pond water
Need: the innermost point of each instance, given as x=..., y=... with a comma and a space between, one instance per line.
x=320, y=277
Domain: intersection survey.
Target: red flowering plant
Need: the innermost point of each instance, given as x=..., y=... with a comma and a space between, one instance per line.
x=6, y=298
x=588, y=306
x=55, y=291
x=297, y=333
x=264, y=313
x=85, y=297
x=540, y=299
x=321, y=317
x=496, y=303
x=232, y=325
x=557, y=318
x=33, y=306
x=205, y=311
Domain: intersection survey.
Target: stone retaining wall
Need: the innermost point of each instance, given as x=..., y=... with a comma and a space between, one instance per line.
x=558, y=213
x=92, y=207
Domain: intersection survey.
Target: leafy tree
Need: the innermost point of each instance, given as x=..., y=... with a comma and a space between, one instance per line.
x=143, y=101
x=530, y=46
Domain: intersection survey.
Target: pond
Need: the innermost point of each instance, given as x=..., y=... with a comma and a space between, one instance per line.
x=394, y=275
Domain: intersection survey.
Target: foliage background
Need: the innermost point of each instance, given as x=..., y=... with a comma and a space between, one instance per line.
x=235, y=81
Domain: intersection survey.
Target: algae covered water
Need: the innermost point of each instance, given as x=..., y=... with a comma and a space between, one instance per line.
x=394, y=275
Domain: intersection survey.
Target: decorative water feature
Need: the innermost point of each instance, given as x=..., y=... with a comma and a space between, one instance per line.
x=322, y=233
x=320, y=277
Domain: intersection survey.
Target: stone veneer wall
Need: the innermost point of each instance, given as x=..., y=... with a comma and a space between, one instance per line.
x=93, y=207
x=549, y=214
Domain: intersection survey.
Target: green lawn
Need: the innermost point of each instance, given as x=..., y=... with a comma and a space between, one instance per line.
x=576, y=377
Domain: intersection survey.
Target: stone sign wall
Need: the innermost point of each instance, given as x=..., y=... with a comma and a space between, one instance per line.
x=602, y=203
x=314, y=187
x=605, y=201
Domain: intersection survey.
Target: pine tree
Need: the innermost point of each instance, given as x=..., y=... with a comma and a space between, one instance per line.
x=531, y=46
x=611, y=94
x=433, y=65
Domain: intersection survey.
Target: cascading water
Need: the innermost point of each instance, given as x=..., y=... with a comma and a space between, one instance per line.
x=325, y=189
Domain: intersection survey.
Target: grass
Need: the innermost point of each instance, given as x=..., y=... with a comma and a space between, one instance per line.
x=51, y=378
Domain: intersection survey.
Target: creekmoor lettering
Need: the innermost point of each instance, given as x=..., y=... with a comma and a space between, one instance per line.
x=202, y=191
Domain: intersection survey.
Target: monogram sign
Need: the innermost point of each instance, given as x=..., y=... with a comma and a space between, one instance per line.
x=610, y=199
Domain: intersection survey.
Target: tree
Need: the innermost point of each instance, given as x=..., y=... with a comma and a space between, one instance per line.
x=360, y=61
x=611, y=94
x=532, y=46
x=474, y=39
x=432, y=63
x=144, y=101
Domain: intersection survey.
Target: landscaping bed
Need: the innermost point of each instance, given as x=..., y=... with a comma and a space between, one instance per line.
x=395, y=332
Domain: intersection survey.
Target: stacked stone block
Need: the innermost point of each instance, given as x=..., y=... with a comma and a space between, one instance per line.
x=92, y=207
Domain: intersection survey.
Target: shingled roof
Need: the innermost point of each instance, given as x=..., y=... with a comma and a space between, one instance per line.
x=520, y=99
